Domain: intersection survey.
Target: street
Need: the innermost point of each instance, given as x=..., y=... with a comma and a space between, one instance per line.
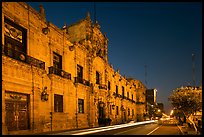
x=140, y=128
x=148, y=129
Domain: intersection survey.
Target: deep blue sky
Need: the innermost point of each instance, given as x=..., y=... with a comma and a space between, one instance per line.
x=161, y=36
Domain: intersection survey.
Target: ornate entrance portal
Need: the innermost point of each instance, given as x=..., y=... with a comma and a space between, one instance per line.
x=101, y=111
x=101, y=115
x=17, y=111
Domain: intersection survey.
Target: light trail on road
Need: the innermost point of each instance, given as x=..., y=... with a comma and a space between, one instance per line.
x=100, y=129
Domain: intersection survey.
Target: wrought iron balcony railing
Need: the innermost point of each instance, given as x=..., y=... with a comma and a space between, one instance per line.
x=138, y=102
x=23, y=57
x=133, y=101
x=59, y=72
x=102, y=86
x=116, y=94
x=82, y=81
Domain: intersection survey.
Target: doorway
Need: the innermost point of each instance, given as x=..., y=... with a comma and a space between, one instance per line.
x=17, y=111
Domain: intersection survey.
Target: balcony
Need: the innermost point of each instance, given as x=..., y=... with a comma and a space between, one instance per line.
x=82, y=81
x=102, y=86
x=116, y=94
x=23, y=57
x=59, y=72
x=140, y=103
x=133, y=101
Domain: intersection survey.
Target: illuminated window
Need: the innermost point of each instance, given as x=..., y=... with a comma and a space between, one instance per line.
x=80, y=105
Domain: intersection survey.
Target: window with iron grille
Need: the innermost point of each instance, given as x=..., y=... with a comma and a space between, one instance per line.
x=57, y=61
x=58, y=103
x=80, y=106
x=15, y=38
x=97, y=77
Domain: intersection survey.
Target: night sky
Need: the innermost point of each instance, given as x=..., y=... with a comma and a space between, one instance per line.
x=161, y=36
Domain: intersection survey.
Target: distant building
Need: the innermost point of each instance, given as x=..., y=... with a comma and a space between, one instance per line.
x=59, y=78
x=151, y=96
x=150, y=101
x=160, y=106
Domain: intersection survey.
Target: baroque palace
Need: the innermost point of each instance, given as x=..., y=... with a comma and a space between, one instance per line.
x=59, y=78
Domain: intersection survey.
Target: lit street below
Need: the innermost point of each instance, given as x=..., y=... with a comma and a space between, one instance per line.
x=151, y=128
x=148, y=129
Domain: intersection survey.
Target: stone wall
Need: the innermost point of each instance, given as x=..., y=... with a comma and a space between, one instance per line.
x=84, y=45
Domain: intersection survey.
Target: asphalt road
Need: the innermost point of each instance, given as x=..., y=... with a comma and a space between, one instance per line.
x=148, y=129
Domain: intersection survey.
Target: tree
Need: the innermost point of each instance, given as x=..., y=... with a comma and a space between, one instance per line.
x=187, y=100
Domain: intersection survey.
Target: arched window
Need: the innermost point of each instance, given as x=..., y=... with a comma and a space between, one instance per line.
x=97, y=77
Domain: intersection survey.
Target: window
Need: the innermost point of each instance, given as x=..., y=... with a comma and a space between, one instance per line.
x=109, y=85
x=116, y=89
x=58, y=103
x=80, y=105
x=117, y=110
x=110, y=109
x=80, y=73
x=57, y=61
x=132, y=112
x=97, y=77
x=123, y=91
x=15, y=38
x=128, y=111
x=132, y=96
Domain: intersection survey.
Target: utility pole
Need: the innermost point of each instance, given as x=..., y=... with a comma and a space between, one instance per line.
x=193, y=69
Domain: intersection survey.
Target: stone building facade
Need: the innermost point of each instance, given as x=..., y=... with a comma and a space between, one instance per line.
x=59, y=78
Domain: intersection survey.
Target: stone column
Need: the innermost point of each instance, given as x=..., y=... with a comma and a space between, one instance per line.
x=4, y=128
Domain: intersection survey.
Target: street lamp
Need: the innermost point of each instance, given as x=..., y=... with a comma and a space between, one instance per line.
x=171, y=113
